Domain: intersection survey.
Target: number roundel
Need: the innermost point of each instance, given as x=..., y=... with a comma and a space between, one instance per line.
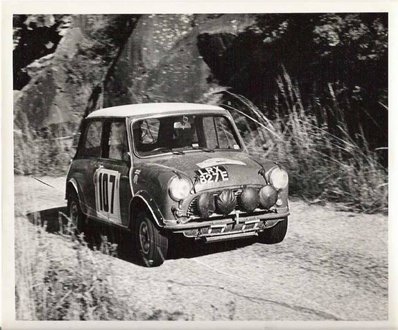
x=107, y=194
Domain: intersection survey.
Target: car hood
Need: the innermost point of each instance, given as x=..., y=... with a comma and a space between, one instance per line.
x=214, y=170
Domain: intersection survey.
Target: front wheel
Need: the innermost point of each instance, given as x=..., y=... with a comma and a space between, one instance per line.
x=275, y=234
x=151, y=244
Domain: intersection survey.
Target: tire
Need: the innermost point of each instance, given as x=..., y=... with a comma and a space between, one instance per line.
x=151, y=244
x=77, y=218
x=275, y=234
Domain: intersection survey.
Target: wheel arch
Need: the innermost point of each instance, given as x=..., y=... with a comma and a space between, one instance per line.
x=142, y=201
x=73, y=187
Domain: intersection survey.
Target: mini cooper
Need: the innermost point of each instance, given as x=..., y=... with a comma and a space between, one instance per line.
x=165, y=169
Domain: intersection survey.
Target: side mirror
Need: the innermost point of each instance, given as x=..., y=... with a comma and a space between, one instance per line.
x=126, y=157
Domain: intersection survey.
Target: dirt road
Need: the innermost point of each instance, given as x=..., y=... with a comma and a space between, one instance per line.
x=331, y=266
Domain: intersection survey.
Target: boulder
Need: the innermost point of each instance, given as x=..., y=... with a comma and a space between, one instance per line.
x=68, y=85
x=162, y=62
x=61, y=92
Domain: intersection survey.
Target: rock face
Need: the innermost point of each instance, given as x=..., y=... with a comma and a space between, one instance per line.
x=54, y=101
x=162, y=60
x=63, y=89
x=107, y=60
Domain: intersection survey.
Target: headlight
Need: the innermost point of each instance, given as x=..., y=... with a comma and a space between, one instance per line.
x=179, y=188
x=279, y=178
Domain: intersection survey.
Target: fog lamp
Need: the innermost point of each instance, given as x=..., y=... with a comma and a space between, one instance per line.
x=249, y=199
x=268, y=196
x=206, y=205
x=179, y=188
x=225, y=202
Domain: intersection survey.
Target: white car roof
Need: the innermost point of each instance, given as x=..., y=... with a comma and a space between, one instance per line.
x=152, y=109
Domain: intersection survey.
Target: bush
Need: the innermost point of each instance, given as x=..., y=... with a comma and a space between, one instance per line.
x=321, y=165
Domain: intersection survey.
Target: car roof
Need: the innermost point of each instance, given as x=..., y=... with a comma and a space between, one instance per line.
x=133, y=110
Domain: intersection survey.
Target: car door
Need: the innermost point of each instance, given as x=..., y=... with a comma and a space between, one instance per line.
x=86, y=162
x=112, y=185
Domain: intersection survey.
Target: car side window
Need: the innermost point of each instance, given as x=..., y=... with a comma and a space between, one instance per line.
x=117, y=142
x=91, y=146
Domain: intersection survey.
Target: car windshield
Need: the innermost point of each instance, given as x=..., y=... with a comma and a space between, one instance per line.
x=180, y=134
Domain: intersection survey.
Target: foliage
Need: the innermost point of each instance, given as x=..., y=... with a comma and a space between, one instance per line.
x=348, y=52
x=34, y=36
x=360, y=37
x=60, y=278
x=322, y=166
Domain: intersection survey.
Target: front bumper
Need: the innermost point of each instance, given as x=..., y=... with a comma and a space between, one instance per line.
x=230, y=227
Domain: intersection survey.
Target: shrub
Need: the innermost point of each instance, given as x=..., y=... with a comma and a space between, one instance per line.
x=322, y=165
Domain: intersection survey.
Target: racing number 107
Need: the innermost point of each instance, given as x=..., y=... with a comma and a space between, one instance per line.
x=104, y=181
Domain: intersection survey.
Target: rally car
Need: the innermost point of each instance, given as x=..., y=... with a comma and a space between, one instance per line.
x=165, y=169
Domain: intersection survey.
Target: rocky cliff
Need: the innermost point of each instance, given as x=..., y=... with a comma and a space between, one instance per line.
x=107, y=60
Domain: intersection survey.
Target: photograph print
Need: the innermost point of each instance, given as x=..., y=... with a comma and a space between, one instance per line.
x=201, y=167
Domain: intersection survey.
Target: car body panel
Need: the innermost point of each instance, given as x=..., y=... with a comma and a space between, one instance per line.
x=150, y=109
x=154, y=176
x=122, y=192
x=82, y=173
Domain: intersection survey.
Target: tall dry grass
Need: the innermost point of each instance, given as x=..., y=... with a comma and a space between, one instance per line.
x=64, y=282
x=323, y=166
x=59, y=278
x=47, y=153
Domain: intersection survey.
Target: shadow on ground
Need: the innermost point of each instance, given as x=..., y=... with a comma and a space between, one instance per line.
x=95, y=233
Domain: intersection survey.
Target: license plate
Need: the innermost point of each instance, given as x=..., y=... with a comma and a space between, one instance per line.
x=212, y=174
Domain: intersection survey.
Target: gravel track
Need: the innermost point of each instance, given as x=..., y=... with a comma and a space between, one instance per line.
x=331, y=266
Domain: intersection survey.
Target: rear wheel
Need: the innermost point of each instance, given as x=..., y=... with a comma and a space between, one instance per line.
x=275, y=234
x=151, y=244
x=76, y=216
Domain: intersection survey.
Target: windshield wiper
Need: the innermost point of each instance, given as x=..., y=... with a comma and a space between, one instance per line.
x=177, y=152
x=205, y=149
x=167, y=149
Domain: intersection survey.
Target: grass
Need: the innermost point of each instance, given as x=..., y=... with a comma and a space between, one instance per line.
x=54, y=284
x=59, y=278
x=323, y=166
x=44, y=153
